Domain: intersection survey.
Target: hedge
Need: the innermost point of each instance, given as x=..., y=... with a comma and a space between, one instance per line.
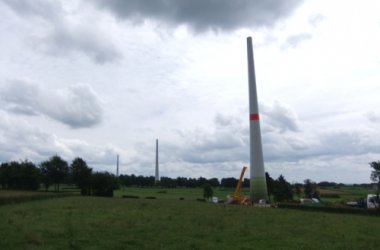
x=340, y=210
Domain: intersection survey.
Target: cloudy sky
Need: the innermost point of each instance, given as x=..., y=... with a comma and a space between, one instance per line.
x=99, y=78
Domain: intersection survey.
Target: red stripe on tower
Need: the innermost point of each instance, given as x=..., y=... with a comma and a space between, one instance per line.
x=254, y=117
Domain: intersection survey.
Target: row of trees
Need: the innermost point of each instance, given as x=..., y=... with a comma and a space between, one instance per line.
x=26, y=175
x=279, y=189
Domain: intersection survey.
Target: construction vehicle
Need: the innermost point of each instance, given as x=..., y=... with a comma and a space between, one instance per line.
x=237, y=198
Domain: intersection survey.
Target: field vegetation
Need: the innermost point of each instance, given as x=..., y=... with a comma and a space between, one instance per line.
x=169, y=223
x=172, y=214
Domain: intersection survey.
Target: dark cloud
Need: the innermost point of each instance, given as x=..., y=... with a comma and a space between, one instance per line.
x=37, y=8
x=77, y=106
x=202, y=15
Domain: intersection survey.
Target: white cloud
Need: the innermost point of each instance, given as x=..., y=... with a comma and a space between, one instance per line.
x=77, y=106
x=161, y=74
x=65, y=33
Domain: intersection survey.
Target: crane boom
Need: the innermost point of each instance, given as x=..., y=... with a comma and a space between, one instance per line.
x=240, y=182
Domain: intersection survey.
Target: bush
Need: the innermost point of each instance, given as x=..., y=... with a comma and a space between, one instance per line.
x=131, y=196
x=150, y=197
x=341, y=210
x=329, y=195
x=103, y=184
x=207, y=191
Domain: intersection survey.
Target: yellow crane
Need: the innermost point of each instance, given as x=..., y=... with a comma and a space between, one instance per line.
x=237, y=198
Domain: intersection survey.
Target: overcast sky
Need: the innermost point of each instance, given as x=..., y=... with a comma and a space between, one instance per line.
x=99, y=78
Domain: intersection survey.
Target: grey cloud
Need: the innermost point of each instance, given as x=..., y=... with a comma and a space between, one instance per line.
x=21, y=96
x=68, y=38
x=354, y=142
x=77, y=106
x=65, y=37
x=226, y=120
x=279, y=118
x=21, y=140
x=294, y=40
x=229, y=142
x=36, y=8
x=320, y=144
x=315, y=19
x=23, y=110
x=285, y=139
x=202, y=15
x=373, y=117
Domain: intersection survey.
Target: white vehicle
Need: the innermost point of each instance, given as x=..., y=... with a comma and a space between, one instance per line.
x=371, y=201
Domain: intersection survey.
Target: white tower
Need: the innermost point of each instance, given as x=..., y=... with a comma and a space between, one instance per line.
x=258, y=185
x=157, y=177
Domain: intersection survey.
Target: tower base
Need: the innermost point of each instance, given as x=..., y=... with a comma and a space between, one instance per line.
x=258, y=189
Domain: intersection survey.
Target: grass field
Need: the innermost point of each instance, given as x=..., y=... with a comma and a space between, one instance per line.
x=170, y=223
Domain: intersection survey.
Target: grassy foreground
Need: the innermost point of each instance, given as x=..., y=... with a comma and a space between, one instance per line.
x=115, y=223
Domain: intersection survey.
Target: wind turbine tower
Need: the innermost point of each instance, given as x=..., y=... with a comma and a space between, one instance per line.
x=117, y=165
x=258, y=185
x=157, y=177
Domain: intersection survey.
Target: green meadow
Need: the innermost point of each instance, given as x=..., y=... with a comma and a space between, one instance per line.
x=169, y=222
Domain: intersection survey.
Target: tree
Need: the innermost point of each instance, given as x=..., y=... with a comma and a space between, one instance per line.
x=270, y=184
x=103, y=184
x=214, y=182
x=310, y=189
x=81, y=175
x=55, y=170
x=229, y=182
x=297, y=187
x=22, y=175
x=282, y=190
x=28, y=176
x=375, y=176
x=207, y=191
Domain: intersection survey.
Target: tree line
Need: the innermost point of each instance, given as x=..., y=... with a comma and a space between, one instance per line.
x=25, y=175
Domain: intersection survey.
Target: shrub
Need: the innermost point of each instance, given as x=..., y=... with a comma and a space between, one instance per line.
x=207, y=191
x=342, y=210
x=131, y=196
x=103, y=184
x=150, y=197
x=329, y=195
